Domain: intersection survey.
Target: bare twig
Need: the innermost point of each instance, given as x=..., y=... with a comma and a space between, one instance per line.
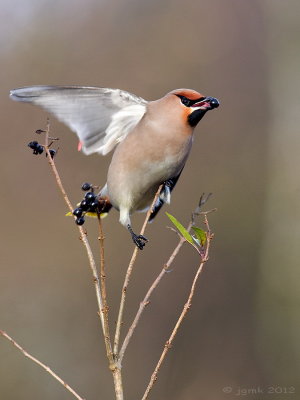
x=164, y=270
x=128, y=275
x=100, y=286
x=118, y=383
x=185, y=310
x=83, y=235
x=115, y=356
x=105, y=308
x=203, y=200
x=115, y=369
x=145, y=301
x=45, y=367
x=54, y=170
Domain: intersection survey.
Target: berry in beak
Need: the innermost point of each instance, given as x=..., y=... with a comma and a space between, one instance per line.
x=199, y=109
x=208, y=103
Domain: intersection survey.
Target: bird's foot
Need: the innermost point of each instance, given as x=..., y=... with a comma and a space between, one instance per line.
x=138, y=240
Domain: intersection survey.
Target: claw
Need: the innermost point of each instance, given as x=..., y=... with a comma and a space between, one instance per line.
x=138, y=240
x=143, y=238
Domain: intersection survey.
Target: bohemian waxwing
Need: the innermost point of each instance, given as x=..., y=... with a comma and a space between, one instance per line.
x=153, y=138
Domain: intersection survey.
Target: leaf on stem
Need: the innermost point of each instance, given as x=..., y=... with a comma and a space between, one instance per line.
x=200, y=235
x=187, y=236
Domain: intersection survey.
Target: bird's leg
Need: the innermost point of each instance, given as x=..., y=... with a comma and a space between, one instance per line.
x=138, y=240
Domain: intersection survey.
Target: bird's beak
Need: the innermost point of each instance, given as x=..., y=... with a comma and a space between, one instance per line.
x=199, y=107
x=208, y=103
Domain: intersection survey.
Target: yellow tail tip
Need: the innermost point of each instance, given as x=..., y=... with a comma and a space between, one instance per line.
x=88, y=214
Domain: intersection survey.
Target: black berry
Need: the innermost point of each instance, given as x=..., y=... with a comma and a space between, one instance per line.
x=84, y=205
x=40, y=149
x=78, y=212
x=94, y=206
x=33, y=145
x=90, y=197
x=80, y=221
x=52, y=153
x=86, y=186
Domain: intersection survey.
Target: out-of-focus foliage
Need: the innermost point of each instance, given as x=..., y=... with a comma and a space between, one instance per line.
x=243, y=329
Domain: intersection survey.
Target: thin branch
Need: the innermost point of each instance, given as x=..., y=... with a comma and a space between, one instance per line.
x=105, y=308
x=100, y=290
x=145, y=301
x=83, y=235
x=118, y=383
x=100, y=286
x=54, y=170
x=203, y=200
x=184, y=312
x=164, y=270
x=128, y=275
x=45, y=367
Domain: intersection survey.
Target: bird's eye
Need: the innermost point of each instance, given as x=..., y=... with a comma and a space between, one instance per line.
x=185, y=101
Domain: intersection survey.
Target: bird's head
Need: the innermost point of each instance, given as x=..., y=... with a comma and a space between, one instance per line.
x=193, y=104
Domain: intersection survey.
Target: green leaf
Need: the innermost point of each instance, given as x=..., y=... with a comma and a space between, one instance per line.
x=181, y=229
x=200, y=234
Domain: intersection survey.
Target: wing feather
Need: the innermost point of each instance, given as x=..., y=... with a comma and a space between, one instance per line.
x=101, y=117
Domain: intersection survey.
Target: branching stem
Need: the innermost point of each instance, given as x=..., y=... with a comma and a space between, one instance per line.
x=114, y=354
x=145, y=301
x=166, y=267
x=100, y=286
x=83, y=235
x=128, y=275
x=185, y=310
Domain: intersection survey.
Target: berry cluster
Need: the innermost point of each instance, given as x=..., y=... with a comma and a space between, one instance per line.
x=39, y=149
x=36, y=147
x=90, y=203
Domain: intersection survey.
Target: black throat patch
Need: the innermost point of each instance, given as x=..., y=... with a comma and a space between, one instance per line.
x=195, y=117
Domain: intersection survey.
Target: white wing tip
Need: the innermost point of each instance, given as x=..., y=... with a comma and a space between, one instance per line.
x=13, y=94
x=23, y=93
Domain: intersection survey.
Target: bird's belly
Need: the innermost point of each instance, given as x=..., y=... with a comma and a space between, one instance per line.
x=135, y=188
x=136, y=172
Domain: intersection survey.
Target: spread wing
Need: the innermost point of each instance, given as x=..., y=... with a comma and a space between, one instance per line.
x=165, y=195
x=100, y=117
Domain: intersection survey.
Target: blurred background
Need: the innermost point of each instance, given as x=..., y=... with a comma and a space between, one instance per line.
x=242, y=334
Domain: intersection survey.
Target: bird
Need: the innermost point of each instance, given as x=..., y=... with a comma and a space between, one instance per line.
x=152, y=139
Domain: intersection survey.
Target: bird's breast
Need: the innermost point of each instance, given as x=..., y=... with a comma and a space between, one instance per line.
x=141, y=163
